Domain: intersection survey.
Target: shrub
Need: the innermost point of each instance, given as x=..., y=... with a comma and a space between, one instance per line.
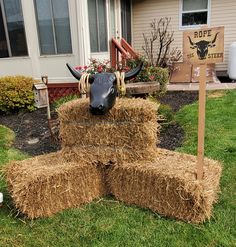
x=158, y=74
x=16, y=93
x=150, y=73
x=157, y=45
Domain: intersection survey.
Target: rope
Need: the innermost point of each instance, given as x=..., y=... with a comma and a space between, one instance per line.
x=83, y=84
x=120, y=78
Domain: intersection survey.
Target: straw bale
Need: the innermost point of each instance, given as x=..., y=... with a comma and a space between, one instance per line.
x=108, y=154
x=168, y=185
x=128, y=131
x=46, y=184
x=125, y=109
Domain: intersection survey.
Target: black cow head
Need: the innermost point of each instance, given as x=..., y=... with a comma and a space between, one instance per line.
x=202, y=46
x=103, y=88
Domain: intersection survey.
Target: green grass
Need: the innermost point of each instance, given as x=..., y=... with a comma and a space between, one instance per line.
x=110, y=223
x=7, y=153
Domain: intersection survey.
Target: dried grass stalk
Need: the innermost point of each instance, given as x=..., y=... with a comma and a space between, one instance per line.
x=168, y=186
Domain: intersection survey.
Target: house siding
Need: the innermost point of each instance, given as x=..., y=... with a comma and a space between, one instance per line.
x=222, y=13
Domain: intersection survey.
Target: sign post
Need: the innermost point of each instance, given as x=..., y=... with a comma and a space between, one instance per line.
x=203, y=46
x=201, y=121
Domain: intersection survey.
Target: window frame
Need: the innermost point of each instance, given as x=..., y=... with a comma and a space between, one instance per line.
x=7, y=33
x=181, y=12
x=99, y=52
x=54, y=32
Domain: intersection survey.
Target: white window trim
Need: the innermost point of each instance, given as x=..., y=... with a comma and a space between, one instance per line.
x=181, y=27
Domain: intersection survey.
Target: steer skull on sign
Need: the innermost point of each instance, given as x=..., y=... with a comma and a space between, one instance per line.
x=202, y=46
x=103, y=89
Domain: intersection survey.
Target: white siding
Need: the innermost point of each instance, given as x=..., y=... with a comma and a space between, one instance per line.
x=144, y=11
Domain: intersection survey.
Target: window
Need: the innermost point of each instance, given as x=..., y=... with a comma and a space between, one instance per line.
x=12, y=31
x=194, y=12
x=97, y=25
x=53, y=26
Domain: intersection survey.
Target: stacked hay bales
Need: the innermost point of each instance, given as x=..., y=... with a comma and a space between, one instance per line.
x=127, y=133
x=168, y=185
x=116, y=154
x=47, y=184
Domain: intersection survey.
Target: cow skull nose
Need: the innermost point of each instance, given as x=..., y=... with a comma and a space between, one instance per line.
x=101, y=107
x=97, y=110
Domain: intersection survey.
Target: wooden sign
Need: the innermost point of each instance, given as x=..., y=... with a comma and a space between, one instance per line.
x=204, y=46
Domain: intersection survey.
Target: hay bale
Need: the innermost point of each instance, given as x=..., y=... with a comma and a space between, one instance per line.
x=127, y=133
x=168, y=186
x=107, y=154
x=46, y=184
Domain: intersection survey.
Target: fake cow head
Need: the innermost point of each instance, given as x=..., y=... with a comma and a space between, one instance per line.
x=103, y=88
x=202, y=46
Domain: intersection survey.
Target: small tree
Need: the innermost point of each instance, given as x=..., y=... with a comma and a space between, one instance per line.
x=157, y=44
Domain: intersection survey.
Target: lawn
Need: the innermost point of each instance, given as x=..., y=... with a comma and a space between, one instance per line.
x=110, y=223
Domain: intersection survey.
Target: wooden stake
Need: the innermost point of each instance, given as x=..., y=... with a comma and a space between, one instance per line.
x=201, y=121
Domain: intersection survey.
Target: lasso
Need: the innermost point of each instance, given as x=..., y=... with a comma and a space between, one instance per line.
x=84, y=85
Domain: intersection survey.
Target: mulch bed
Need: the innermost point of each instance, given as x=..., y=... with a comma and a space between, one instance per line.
x=33, y=136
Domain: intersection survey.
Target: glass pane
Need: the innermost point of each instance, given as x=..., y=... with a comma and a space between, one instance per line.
x=62, y=26
x=123, y=19
x=102, y=24
x=93, y=31
x=3, y=41
x=126, y=20
x=112, y=18
x=194, y=5
x=45, y=29
x=194, y=18
x=15, y=26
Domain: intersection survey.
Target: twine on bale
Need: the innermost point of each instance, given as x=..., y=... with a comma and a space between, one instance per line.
x=120, y=78
x=83, y=84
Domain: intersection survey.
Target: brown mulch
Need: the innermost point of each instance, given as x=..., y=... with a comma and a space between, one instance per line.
x=33, y=136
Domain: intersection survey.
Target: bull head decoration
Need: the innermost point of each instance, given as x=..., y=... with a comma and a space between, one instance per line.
x=202, y=46
x=103, y=89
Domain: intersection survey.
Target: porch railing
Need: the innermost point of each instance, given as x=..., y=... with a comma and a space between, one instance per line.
x=120, y=52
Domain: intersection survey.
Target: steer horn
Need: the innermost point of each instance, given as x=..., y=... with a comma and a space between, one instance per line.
x=211, y=44
x=132, y=73
x=193, y=45
x=77, y=74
